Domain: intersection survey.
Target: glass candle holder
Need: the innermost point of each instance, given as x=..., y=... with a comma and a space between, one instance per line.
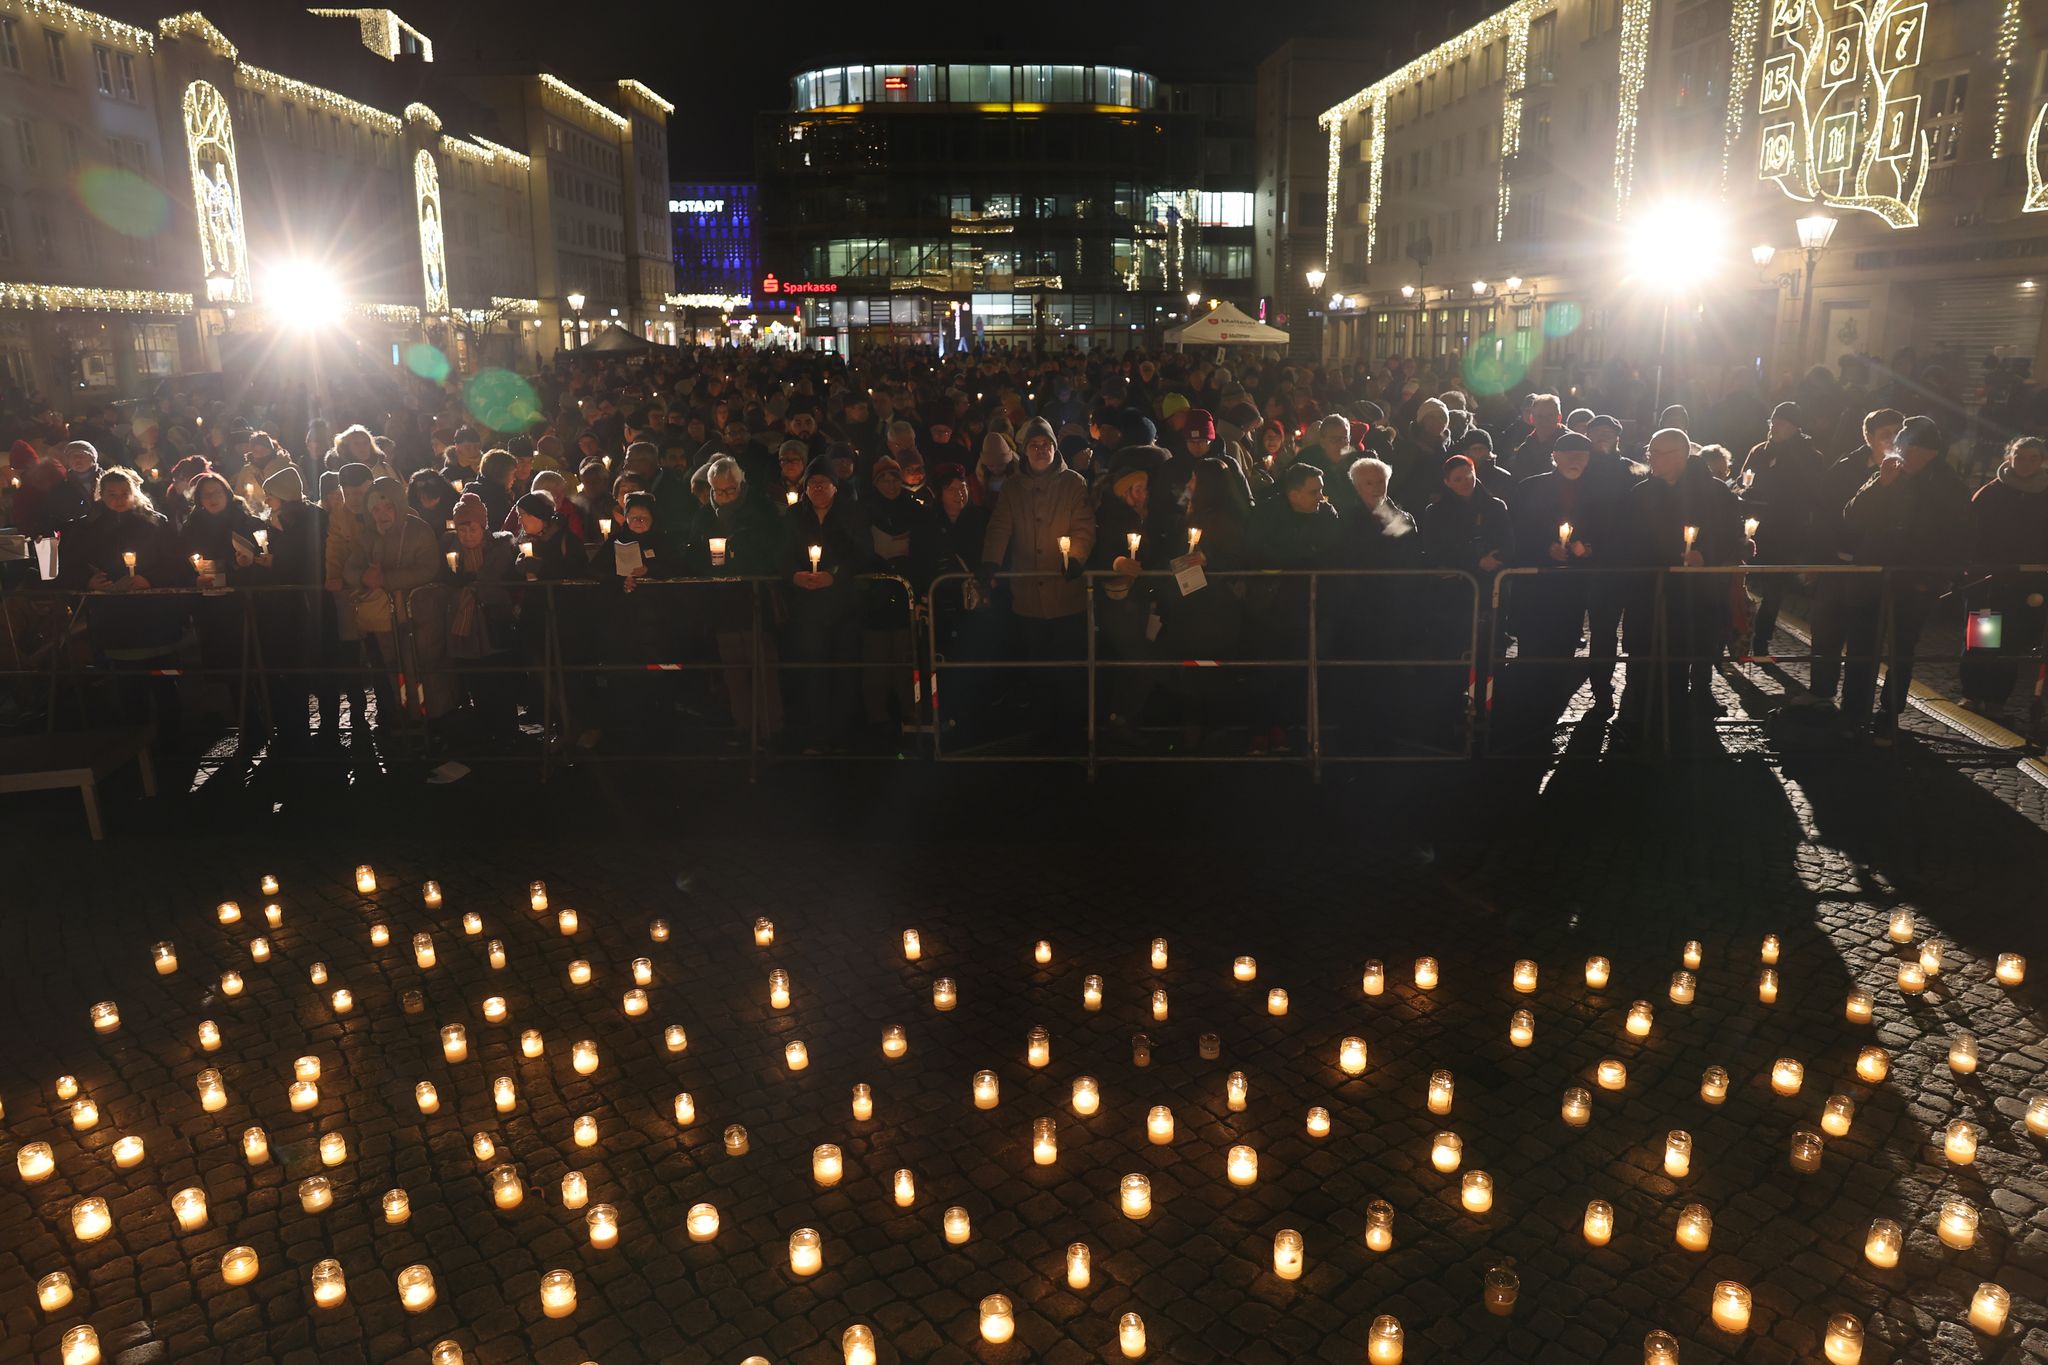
x=1276, y=1002
x=1930, y=957
x=255, y=1145
x=558, y=1293
x=958, y=1225
x=53, y=1291
x=1524, y=977
x=473, y=924
x=1425, y=973
x=567, y=922
x=1244, y=968
x=1441, y=1088
x=1318, y=1122
x=1130, y=1336
x=1375, y=978
x=1351, y=1056
x=484, y=1146
x=127, y=1152
x=583, y=1056
x=1837, y=1115
x=863, y=1103
x=1962, y=1053
x=1787, y=1076
x=397, y=1207
x=1384, y=1341
x=508, y=1191
x=1446, y=1152
x=945, y=994
x=1692, y=954
x=1498, y=1290
x=106, y=1017
x=904, y=1184
x=213, y=1096
x=495, y=1010
x=80, y=1346
x=85, y=1111
x=454, y=1043
x=1379, y=1226
x=1288, y=1254
x=1843, y=1344
x=579, y=972
x=366, y=880
x=494, y=952
x=1988, y=1308
x=1210, y=1046
x=1141, y=1050
x=1660, y=1348
x=1873, y=1064
x=1521, y=1028
x=806, y=1252
x=1038, y=1047
x=1641, y=1018
x=1087, y=1096
x=857, y=1344
x=795, y=1055
x=449, y=1352
x=1598, y=972
x=2037, y=1115
x=1158, y=954
x=238, y=1265
x=329, y=1284
x=1045, y=1142
x=343, y=1000
x=1091, y=993
x=35, y=1161
x=228, y=912
x=90, y=1219
x=657, y=930
x=913, y=945
x=1858, y=1006
x=827, y=1165
x=1080, y=1267
x=188, y=1206
x=602, y=1224
x=302, y=1095
x=1959, y=1143
x=537, y=896
x=1598, y=1225
x=1767, y=987
x=634, y=1002
x=1241, y=1165
x=764, y=932
x=1159, y=1125
x=427, y=1097
x=1678, y=1154
x=1695, y=1227
x=380, y=937
x=998, y=1324
x=1912, y=978
x=2011, y=970
x=1476, y=1192
x=230, y=983
x=1731, y=1305
x=584, y=1130
x=1158, y=1006
x=1611, y=1074
x=1883, y=1243
x=423, y=953
x=1236, y=1092
x=1683, y=987
x=1134, y=1196
x=1041, y=952
x=316, y=1194
x=209, y=1036
x=1770, y=950
x=736, y=1141
x=1577, y=1109
x=333, y=1149
x=895, y=1042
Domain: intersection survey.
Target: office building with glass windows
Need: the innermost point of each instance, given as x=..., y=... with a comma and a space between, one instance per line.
x=955, y=204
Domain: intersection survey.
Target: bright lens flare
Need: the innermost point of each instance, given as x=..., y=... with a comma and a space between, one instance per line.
x=302, y=295
x=1674, y=245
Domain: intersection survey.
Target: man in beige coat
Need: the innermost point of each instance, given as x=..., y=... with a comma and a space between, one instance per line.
x=1041, y=504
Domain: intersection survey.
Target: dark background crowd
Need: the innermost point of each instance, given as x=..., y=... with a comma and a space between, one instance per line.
x=494, y=574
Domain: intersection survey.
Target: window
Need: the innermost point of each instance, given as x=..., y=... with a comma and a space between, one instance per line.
x=6, y=235
x=10, y=45
x=55, y=43
x=1226, y=208
x=46, y=245
x=156, y=348
x=25, y=138
x=103, y=68
x=70, y=148
x=124, y=76
x=1459, y=155
x=1226, y=262
x=1943, y=117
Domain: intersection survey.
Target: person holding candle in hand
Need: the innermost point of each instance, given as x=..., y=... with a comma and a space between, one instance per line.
x=124, y=546
x=294, y=626
x=1130, y=537
x=827, y=545
x=483, y=627
x=396, y=554
x=1041, y=501
x=1784, y=483
x=738, y=534
x=1559, y=518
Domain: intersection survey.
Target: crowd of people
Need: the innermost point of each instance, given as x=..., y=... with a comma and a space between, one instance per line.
x=419, y=565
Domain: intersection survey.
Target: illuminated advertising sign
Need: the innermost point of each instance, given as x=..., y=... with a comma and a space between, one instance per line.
x=771, y=285
x=696, y=206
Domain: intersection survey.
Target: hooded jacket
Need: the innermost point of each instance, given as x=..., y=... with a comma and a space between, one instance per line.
x=1035, y=509
x=408, y=555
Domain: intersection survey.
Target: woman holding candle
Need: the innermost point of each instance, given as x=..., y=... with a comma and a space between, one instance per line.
x=1208, y=623
x=396, y=553
x=1134, y=532
x=737, y=534
x=827, y=545
x=219, y=542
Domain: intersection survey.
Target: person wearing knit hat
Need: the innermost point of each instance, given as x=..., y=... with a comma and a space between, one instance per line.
x=1173, y=405
x=470, y=509
x=1577, y=419
x=285, y=485
x=1135, y=428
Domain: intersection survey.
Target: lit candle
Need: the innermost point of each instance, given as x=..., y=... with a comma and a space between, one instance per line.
x=90, y=1219
x=1244, y=968
x=1087, y=1096
x=1134, y=1196
x=1159, y=1125
x=1500, y=1287
x=1318, y=1122
x=1988, y=1307
x=1882, y=1245
x=1901, y=928
x=764, y=932
x=1441, y=1088
x=431, y=894
x=189, y=1206
x=53, y=1291
x=455, y=1043
x=796, y=1056
x=228, y=912
x=537, y=896
x=1091, y=993
x=1375, y=980
x=35, y=1161
x=1525, y=976
x=495, y=1009
x=863, y=1103
x=1598, y=970
x=1287, y=1254
x=701, y=1222
x=583, y=1056
x=584, y=1130
x=826, y=1165
x=1767, y=987
x=1141, y=1050
x=558, y=1293
x=1598, y=1227
x=1379, y=1225
x=1678, y=1154
x=213, y=1097
x=657, y=930
x=1912, y=978
x=1692, y=954
x=366, y=880
x=673, y=1038
x=333, y=1149
x=1130, y=1336
x=1241, y=1165
x=1276, y=1002
x=1578, y=1107
x=1959, y=1143
x=1476, y=1193
x=343, y=1000
x=259, y=950
x=1384, y=1342
x=1770, y=950
x=945, y=995
x=1695, y=1227
x=80, y=1346
x=1351, y=1056
x=806, y=1252
x=1962, y=1054
x=1641, y=1018
x=165, y=956
x=602, y=1223
x=1079, y=1269
x=1843, y=1344
x=736, y=1142
x=504, y=1094
x=1521, y=1028
x=1787, y=1076
x=1446, y=1152
x=1873, y=1064
x=1611, y=1074
x=128, y=1152
x=2012, y=969
x=230, y=983
x=894, y=1041
x=857, y=1343
x=913, y=945
x=1158, y=1005
x=238, y=1265
x=905, y=1187
x=1045, y=1142
x=255, y=1146
x=958, y=1225
x=1837, y=1115
x=1806, y=1151
x=998, y=1325
x=1683, y=986
x=1692, y=533
x=579, y=972
x=716, y=544
x=1132, y=540
x=1425, y=973
x=316, y=1194
x=567, y=921
x=634, y=1002
x=1236, y=1092
x=1564, y=533
x=575, y=1190
x=2037, y=1115
x=496, y=953
x=85, y=1111
x=1930, y=957
x=209, y=1036
x=380, y=937
x=1038, y=1047
x=1066, y=549
x=303, y=1095
x=416, y=1291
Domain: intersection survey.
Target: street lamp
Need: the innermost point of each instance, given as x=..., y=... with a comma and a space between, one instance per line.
x=1816, y=230
x=575, y=300
x=1315, y=277
x=1671, y=248
x=1763, y=253
x=1514, y=284
x=1194, y=298
x=1407, y=291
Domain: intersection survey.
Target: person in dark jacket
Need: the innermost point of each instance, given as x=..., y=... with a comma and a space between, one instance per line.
x=1464, y=529
x=295, y=628
x=638, y=630
x=950, y=543
x=1783, y=479
x=1840, y=598
x=1531, y=457
x=888, y=641
x=1559, y=518
x=1495, y=481
x=1377, y=617
x=2009, y=525
x=1297, y=530
x=126, y=546
x=827, y=547
x=483, y=629
x=739, y=535
x=1913, y=517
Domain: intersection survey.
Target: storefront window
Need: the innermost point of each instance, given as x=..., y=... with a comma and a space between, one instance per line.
x=156, y=348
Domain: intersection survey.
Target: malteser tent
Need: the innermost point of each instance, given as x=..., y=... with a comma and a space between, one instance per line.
x=1225, y=325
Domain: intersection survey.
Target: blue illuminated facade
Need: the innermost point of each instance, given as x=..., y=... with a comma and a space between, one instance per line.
x=717, y=241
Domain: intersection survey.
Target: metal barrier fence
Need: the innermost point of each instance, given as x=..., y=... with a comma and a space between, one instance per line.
x=1413, y=626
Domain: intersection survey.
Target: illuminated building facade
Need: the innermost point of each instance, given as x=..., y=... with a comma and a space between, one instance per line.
x=1522, y=149
x=717, y=258
x=158, y=182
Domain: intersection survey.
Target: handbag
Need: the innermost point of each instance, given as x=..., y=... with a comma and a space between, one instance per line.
x=374, y=611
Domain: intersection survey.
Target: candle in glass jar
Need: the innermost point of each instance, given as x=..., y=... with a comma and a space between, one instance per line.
x=431, y=893
x=558, y=1293
x=80, y=1346
x=826, y=1165
x=1962, y=1054
x=575, y=1190
x=1091, y=993
x=905, y=1186
x=857, y=1344
x=504, y=1094
x=343, y=1000
x=1241, y=1165
x=1611, y=1074
x=2037, y=1115
x=1158, y=1005
x=602, y=1224
x=1641, y=1018
x=537, y=896
x=1045, y=1142
x=259, y=948
x=1806, y=1151
x=416, y=1291
x=1731, y=1305
x=1988, y=1307
x=1858, y=1006
x=1770, y=950
x=1678, y=1154
x=1038, y=1047
x=330, y=1286
x=333, y=1149
x=1276, y=1002
x=495, y=953
x=1079, y=1267
x=423, y=952
x=2012, y=969
x=1446, y=1152
x=1159, y=1125
x=567, y=922
x=1873, y=1064
x=657, y=930
x=302, y=1095
x=998, y=1324
x=958, y=1225
x=189, y=1207
x=238, y=1265
x=1692, y=954
x=1598, y=1225
x=1901, y=927
x=894, y=1041
x=366, y=880
x=1379, y=1225
x=1521, y=1028
x=1525, y=975
x=1441, y=1088
x=1767, y=987
x=1134, y=1196
x=209, y=1036
x=1087, y=1097
x=316, y=1194
x=1288, y=1254
x=634, y=1002
x=1318, y=1122
x=255, y=1145
x=427, y=1097
x=213, y=1097
x=1959, y=1143
x=1384, y=1342
x=1425, y=973
x=1141, y=1050
x=583, y=1056
x=1930, y=957
x=91, y=1220
x=701, y=1222
x=495, y=1009
x=1577, y=1109
x=1236, y=1092
x=945, y=995
x=796, y=1056
x=579, y=972
x=583, y=1132
x=1843, y=1344
x=1244, y=968
x=764, y=932
x=53, y=1291
x=1695, y=1227
x=165, y=958
x=1375, y=980
x=1598, y=971
x=35, y=1161
x=127, y=1152
x=863, y=1103
x=1130, y=1336
x=1912, y=978
x=913, y=945
x=1787, y=1076
x=1881, y=1246
x=736, y=1140
x=1476, y=1192
x=1837, y=1115
x=1351, y=1056
x=1499, y=1288
x=806, y=1251
x=1683, y=987
x=231, y=983
x=455, y=1043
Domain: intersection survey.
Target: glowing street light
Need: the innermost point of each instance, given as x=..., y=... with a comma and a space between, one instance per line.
x=303, y=295
x=1407, y=291
x=1671, y=248
x=1315, y=277
x=1763, y=253
x=1194, y=298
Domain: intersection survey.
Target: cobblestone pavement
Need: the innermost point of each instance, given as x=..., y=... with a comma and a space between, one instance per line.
x=1478, y=870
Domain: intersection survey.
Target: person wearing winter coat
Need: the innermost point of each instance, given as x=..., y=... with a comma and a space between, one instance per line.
x=1296, y=530
x=2009, y=525
x=396, y=554
x=296, y=628
x=1784, y=483
x=1042, y=504
x=739, y=535
x=125, y=546
x=888, y=637
x=824, y=607
x=483, y=624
